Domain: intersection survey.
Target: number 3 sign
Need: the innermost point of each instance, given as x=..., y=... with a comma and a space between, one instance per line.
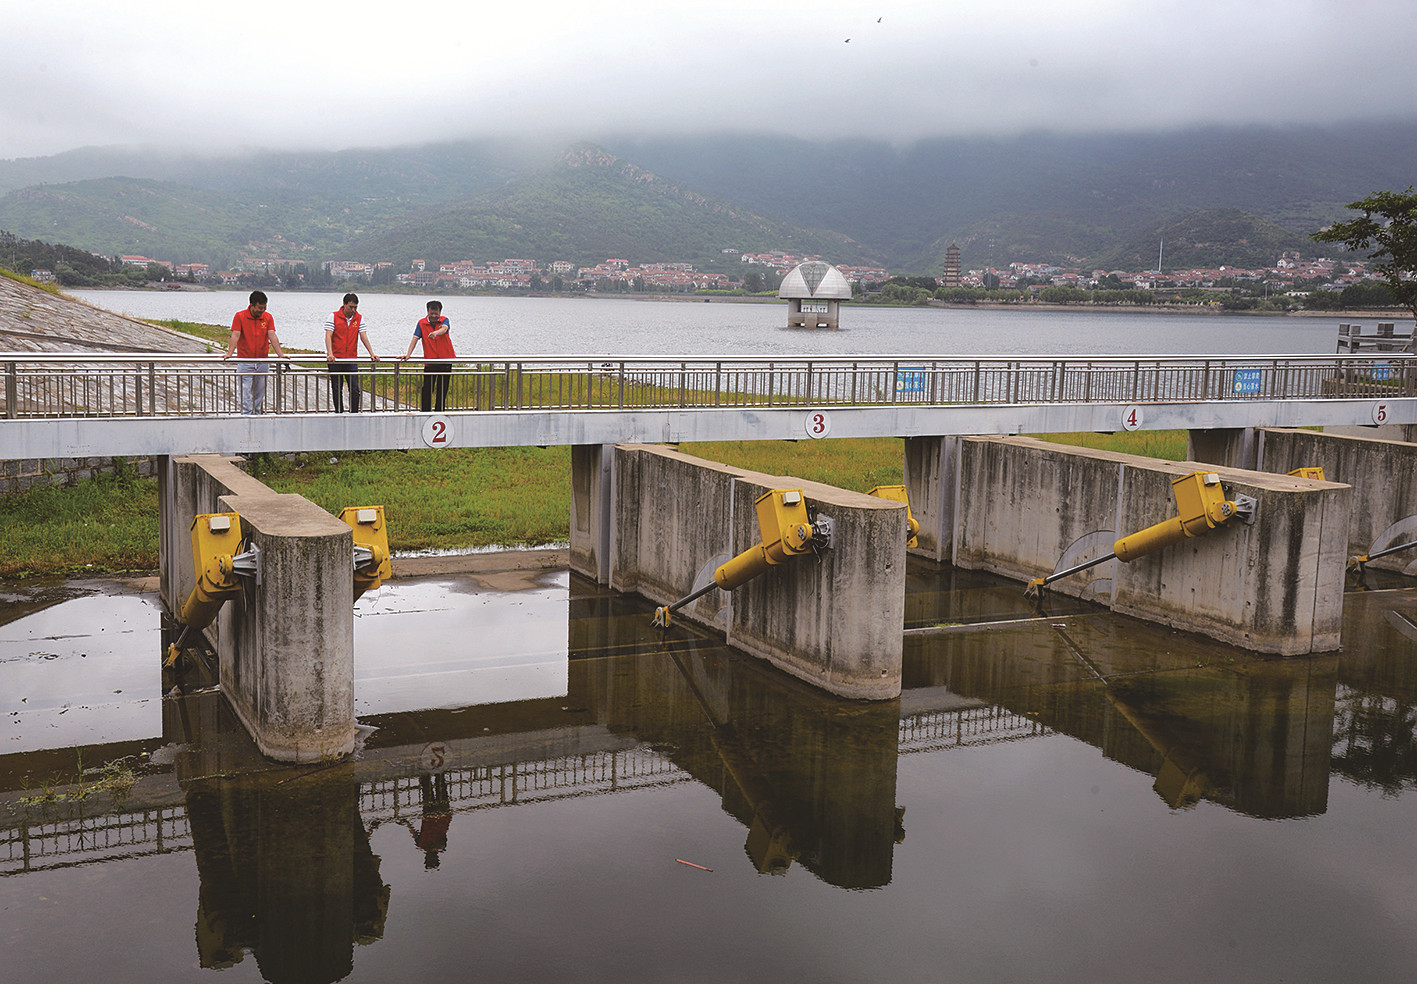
x=818, y=424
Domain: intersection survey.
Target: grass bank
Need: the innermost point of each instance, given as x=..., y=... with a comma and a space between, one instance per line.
x=458, y=499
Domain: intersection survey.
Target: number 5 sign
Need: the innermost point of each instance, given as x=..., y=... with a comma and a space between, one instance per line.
x=818, y=424
x=1380, y=413
x=438, y=432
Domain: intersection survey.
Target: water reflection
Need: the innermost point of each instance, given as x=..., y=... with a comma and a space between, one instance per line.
x=1203, y=720
x=576, y=708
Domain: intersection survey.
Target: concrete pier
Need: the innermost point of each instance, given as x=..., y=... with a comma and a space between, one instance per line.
x=834, y=622
x=1026, y=507
x=1382, y=472
x=286, y=644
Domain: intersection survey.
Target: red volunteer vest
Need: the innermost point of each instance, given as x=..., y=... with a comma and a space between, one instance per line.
x=344, y=340
x=436, y=348
x=252, y=344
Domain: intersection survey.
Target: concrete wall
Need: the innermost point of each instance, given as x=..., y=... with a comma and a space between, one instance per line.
x=286, y=644
x=591, y=498
x=1383, y=474
x=28, y=473
x=931, y=472
x=1275, y=586
x=834, y=622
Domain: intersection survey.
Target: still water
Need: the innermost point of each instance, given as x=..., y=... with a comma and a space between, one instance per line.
x=495, y=326
x=1077, y=798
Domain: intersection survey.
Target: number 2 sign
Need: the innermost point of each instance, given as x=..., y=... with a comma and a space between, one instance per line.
x=438, y=432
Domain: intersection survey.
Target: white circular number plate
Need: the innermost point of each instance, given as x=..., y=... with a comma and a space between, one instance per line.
x=438, y=432
x=1131, y=418
x=1379, y=413
x=818, y=423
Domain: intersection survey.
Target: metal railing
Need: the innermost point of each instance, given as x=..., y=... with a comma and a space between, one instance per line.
x=176, y=385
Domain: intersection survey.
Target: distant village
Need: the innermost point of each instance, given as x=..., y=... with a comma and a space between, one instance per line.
x=760, y=271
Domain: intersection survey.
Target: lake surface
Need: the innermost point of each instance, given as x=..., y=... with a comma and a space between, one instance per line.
x=552, y=790
x=605, y=326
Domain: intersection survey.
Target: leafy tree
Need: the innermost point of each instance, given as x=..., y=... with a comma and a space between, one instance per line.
x=1387, y=228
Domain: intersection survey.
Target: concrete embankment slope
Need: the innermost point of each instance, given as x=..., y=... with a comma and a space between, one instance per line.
x=34, y=320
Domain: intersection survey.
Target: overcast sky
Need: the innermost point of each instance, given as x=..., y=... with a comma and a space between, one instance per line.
x=291, y=74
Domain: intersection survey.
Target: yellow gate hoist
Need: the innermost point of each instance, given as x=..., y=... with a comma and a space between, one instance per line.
x=216, y=542
x=1201, y=507
x=896, y=493
x=217, y=562
x=787, y=531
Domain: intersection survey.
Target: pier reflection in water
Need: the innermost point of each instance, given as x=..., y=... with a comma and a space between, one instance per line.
x=540, y=760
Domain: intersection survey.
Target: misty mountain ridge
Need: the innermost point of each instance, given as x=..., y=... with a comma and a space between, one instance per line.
x=1101, y=201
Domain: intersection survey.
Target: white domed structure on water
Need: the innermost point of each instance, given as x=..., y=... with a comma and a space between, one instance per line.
x=814, y=291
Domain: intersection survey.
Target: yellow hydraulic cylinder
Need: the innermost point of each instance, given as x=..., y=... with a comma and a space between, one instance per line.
x=1201, y=506
x=371, y=543
x=786, y=532
x=216, y=538
x=897, y=493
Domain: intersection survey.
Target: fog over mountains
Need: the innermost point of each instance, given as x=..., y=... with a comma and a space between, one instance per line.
x=1222, y=195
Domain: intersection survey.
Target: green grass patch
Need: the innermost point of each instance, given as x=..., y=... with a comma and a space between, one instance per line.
x=454, y=499
x=210, y=333
x=1169, y=445
x=850, y=463
x=107, y=524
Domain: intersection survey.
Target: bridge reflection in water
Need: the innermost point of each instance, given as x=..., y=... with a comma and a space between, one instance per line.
x=284, y=855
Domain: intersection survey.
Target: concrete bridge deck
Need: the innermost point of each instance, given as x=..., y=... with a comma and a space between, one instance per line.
x=75, y=405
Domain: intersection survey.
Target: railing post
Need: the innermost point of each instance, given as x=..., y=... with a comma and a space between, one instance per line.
x=809, y=382
x=519, y=386
x=12, y=390
x=152, y=389
x=620, y=383
x=772, y=383
x=718, y=384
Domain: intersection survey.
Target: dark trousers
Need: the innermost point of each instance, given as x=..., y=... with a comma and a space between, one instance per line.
x=435, y=386
x=344, y=374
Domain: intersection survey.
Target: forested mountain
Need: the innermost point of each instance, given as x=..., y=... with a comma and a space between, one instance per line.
x=590, y=205
x=1099, y=200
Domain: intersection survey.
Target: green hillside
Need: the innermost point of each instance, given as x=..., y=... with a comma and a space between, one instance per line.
x=588, y=206
x=1100, y=200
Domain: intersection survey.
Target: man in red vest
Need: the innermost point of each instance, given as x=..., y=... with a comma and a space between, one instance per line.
x=253, y=332
x=343, y=333
x=432, y=331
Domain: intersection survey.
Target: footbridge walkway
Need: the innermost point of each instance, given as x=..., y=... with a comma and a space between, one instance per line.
x=143, y=404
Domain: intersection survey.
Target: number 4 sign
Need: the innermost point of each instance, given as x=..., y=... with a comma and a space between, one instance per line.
x=1131, y=418
x=438, y=432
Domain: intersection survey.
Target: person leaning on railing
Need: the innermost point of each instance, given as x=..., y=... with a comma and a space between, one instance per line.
x=343, y=333
x=253, y=332
x=432, y=331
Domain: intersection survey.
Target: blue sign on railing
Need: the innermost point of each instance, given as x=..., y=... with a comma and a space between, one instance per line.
x=1248, y=380
x=910, y=380
x=1381, y=370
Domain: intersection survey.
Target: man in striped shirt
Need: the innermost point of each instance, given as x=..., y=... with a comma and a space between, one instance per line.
x=343, y=332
